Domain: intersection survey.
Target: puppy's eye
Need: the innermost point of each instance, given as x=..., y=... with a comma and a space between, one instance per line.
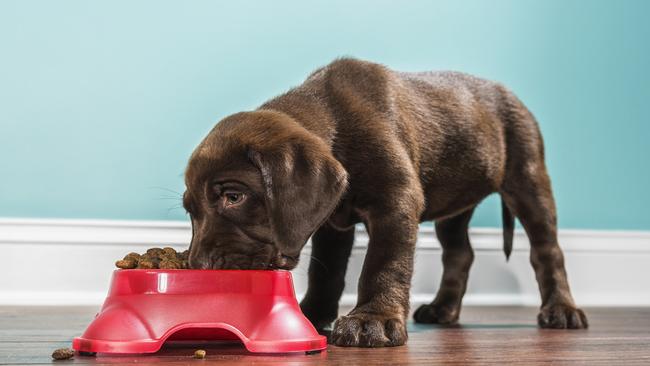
x=233, y=198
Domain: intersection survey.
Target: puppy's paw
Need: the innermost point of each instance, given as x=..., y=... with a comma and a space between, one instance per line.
x=436, y=314
x=560, y=316
x=369, y=330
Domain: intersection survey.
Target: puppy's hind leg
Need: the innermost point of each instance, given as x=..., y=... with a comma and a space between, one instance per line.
x=528, y=193
x=457, y=258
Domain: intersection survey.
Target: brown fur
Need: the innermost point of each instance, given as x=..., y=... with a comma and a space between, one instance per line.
x=358, y=142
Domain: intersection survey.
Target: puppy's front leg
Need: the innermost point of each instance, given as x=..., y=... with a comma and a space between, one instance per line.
x=330, y=252
x=379, y=319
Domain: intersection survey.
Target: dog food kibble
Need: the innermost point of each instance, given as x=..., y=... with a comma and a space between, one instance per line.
x=63, y=354
x=126, y=263
x=170, y=264
x=155, y=258
x=133, y=256
x=130, y=261
x=154, y=252
x=167, y=251
x=199, y=353
x=147, y=264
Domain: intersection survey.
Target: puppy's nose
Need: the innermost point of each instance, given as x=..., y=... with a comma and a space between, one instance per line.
x=283, y=261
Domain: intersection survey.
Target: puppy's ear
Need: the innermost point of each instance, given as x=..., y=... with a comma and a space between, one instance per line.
x=303, y=183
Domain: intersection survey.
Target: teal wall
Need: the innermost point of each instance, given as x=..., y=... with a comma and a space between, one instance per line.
x=102, y=102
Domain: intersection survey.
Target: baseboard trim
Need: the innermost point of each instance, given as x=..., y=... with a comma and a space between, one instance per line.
x=75, y=298
x=147, y=233
x=70, y=261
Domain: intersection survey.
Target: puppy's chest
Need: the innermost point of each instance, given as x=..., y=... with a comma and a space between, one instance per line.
x=345, y=216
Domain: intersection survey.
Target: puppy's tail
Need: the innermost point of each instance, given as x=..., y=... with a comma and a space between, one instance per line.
x=508, y=228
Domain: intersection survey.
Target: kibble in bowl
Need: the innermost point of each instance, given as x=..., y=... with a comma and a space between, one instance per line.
x=155, y=258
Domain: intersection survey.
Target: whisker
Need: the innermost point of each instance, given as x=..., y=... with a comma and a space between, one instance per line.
x=166, y=189
x=168, y=198
x=319, y=262
x=300, y=271
x=176, y=207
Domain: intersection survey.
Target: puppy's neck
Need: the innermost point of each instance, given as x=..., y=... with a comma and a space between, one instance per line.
x=307, y=110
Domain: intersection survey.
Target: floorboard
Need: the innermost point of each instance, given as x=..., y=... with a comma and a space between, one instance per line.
x=487, y=335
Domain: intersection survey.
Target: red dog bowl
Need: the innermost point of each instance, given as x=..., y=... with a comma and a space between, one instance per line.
x=145, y=308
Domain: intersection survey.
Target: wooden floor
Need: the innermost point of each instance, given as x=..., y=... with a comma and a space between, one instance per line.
x=488, y=335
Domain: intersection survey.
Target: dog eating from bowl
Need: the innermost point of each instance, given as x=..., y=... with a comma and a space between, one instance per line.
x=357, y=142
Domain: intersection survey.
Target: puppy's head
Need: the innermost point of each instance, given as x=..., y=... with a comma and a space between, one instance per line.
x=257, y=187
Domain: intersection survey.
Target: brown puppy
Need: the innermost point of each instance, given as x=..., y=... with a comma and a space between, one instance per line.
x=357, y=142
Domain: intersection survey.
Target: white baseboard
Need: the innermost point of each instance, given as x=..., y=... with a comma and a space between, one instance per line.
x=69, y=262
